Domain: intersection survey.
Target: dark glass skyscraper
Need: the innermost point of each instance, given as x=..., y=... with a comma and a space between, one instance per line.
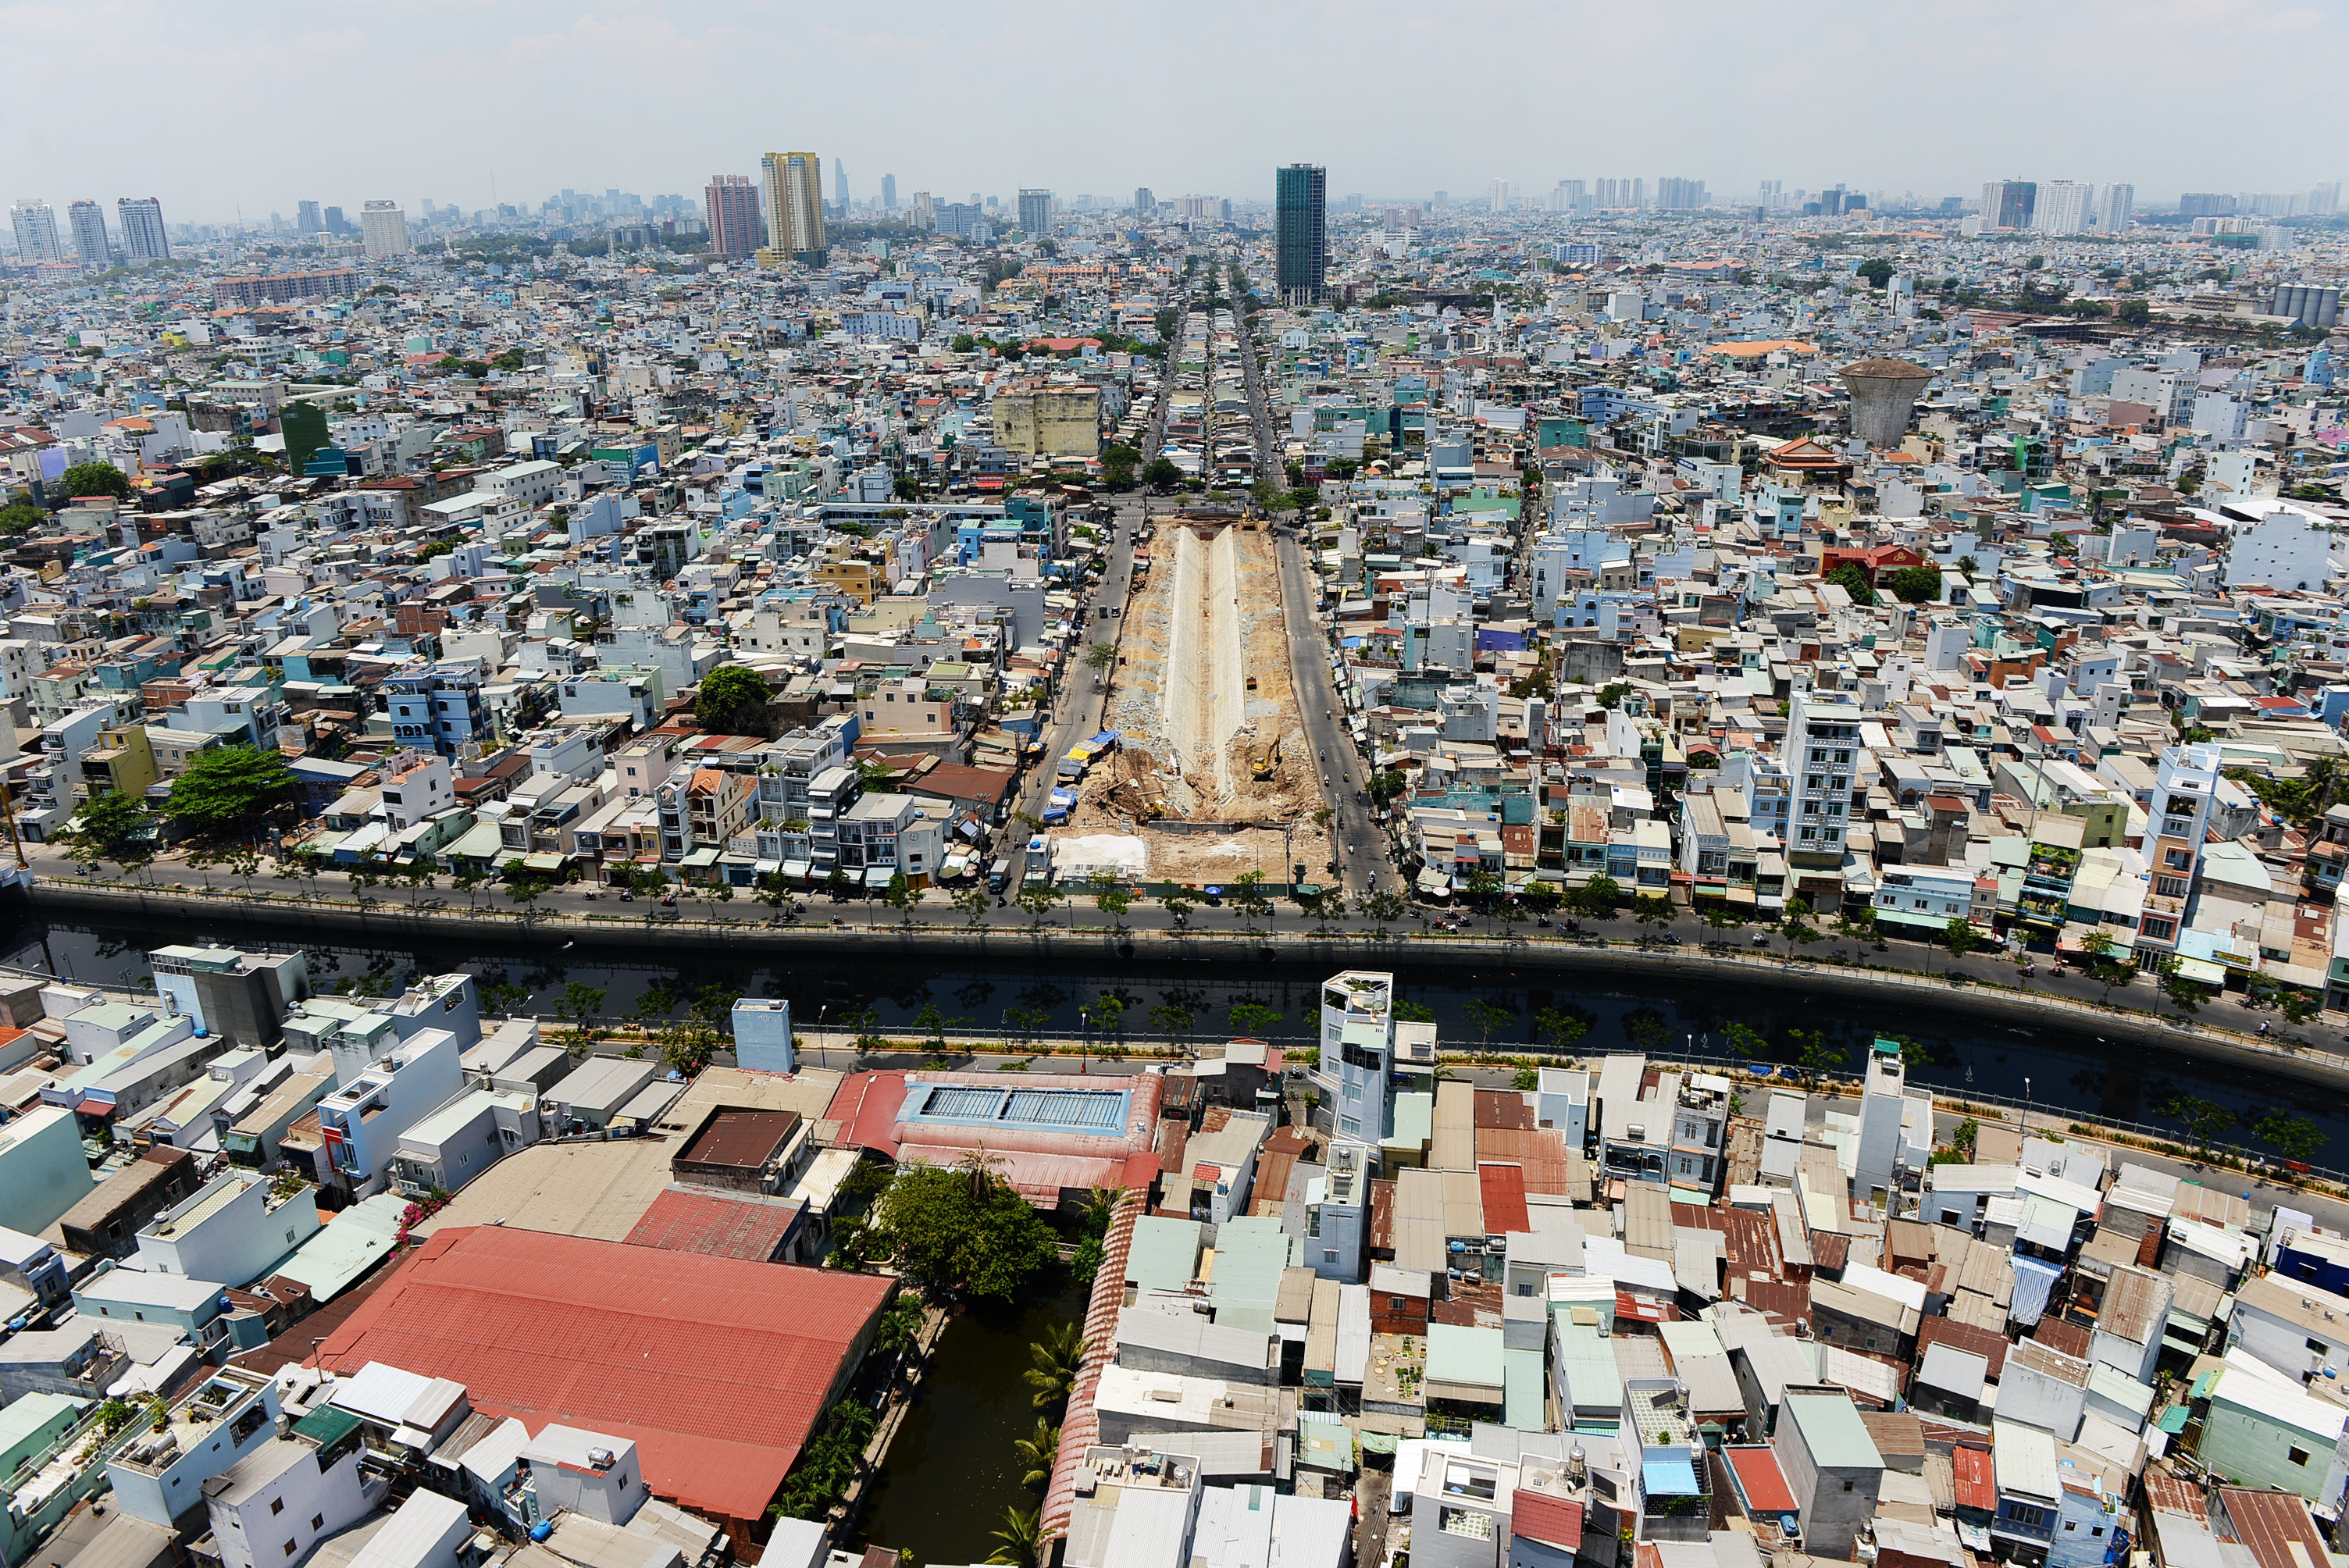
x=1301, y=204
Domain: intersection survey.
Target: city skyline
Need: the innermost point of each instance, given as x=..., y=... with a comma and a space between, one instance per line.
x=1773, y=116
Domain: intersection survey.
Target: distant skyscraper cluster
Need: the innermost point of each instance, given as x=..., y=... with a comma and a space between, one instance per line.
x=140, y=220
x=2059, y=207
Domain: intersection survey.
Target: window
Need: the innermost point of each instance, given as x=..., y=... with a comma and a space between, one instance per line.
x=2298, y=1456
x=289, y=1549
x=2023, y=1513
x=318, y=1520
x=2317, y=1346
x=276, y=1505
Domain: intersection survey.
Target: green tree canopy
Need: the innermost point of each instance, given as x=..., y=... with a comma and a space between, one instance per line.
x=1916, y=585
x=94, y=479
x=20, y=518
x=962, y=1228
x=228, y=789
x=1853, y=579
x=732, y=701
x=111, y=826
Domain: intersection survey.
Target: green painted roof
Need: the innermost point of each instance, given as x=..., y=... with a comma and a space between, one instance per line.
x=343, y=1250
x=325, y=1424
x=1522, y=1381
x=1250, y=1254
x=1833, y=1431
x=1164, y=1254
x=1456, y=1354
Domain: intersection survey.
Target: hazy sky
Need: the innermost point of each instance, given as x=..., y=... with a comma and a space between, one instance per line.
x=256, y=104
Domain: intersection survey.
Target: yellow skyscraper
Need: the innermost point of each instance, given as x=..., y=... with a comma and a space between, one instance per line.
x=792, y=187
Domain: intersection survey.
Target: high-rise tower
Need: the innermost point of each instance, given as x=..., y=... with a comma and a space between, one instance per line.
x=1301, y=201
x=791, y=184
x=383, y=228
x=732, y=203
x=144, y=238
x=37, y=233
x=91, y=250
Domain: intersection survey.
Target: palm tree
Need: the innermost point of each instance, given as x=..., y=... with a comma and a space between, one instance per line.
x=1099, y=1206
x=1022, y=1537
x=1058, y=1355
x=1039, y=1452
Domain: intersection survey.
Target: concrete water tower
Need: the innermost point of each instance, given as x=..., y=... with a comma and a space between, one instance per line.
x=1883, y=395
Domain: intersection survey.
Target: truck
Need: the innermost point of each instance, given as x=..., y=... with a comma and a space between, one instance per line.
x=1062, y=802
x=998, y=875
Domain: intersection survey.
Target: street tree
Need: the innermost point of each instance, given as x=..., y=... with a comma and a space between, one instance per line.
x=2296, y=1138
x=581, y=1003
x=1560, y=1030
x=112, y=826
x=1110, y=896
x=1487, y=1015
x=229, y=789
x=1039, y=901
x=2203, y=1120
x=1171, y=1018
x=1252, y=1018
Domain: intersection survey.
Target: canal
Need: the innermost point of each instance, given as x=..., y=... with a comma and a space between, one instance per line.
x=952, y=1469
x=2067, y=1070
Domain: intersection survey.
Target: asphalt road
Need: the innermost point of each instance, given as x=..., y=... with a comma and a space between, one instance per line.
x=1082, y=698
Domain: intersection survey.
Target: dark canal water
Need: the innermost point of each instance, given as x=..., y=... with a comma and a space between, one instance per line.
x=952, y=1468
x=2069, y=1072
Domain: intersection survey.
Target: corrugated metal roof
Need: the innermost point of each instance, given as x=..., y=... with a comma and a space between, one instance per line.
x=716, y=1225
x=1453, y=1146
x=1502, y=1189
x=715, y=1368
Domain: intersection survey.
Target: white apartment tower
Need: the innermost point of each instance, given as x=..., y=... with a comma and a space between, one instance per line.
x=37, y=233
x=2184, y=787
x=144, y=238
x=1822, y=743
x=383, y=228
x=1357, y=1056
x=91, y=250
x=1876, y=1168
x=2065, y=207
x=2120, y=208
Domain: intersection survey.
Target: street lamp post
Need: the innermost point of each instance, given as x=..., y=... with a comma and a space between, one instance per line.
x=2026, y=1108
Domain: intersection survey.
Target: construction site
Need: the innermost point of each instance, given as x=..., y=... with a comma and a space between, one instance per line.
x=1212, y=772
